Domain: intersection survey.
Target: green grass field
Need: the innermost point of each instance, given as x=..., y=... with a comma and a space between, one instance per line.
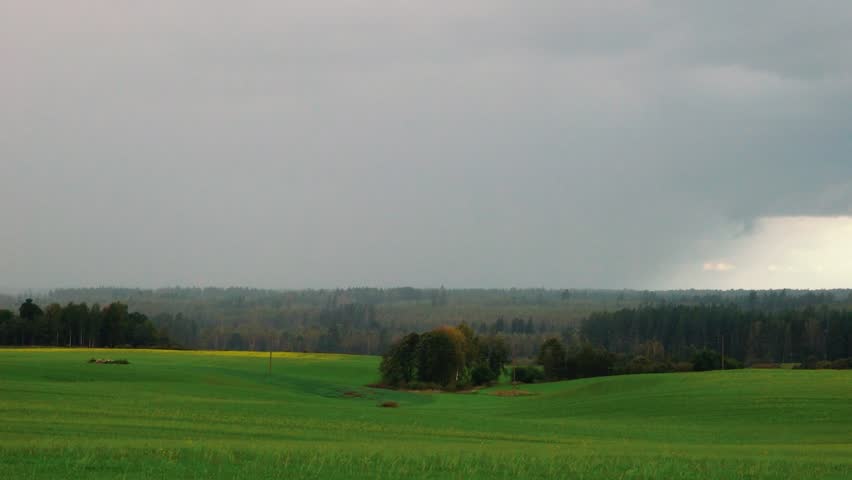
x=220, y=415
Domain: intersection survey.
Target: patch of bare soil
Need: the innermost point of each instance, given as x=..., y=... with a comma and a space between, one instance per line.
x=407, y=390
x=511, y=393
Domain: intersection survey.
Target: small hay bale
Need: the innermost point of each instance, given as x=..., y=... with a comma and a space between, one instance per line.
x=109, y=361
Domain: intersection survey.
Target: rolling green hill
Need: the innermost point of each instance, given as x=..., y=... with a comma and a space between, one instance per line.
x=221, y=415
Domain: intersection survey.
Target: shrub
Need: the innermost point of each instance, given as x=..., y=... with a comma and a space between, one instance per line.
x=682, y=367
x=813, y=364
x=733, y=364
x=642, y=364
x=529, y=374
x=482, y=375
x=764, y=365
x=705, y=360
x=809, y=362
x=841, y=364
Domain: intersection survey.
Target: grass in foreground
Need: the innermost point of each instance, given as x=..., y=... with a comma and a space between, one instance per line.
x=220, y=415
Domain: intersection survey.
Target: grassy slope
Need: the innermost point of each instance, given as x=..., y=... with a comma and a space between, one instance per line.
x=219, y=415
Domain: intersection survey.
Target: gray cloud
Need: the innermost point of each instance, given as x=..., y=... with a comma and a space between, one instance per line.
x=290, y=144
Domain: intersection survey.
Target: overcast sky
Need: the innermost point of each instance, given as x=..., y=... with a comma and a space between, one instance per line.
x=291, y=144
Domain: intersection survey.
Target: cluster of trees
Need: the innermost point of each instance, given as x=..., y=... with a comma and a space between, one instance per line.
x=449, y=357
x=77, y=324
x=584, y=360
x=746, y=334
x=446, y=357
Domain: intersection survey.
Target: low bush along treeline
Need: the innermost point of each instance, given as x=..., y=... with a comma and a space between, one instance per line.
x=452, y=358
x=556, y=362
x=837, y=364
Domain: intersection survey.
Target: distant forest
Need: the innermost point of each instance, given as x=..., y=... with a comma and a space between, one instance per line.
x=755, y=326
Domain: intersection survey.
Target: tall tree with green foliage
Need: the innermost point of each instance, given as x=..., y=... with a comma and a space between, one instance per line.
x=114, y=325
x=552, y=358
x=399, y=363
x=494, y=354
x=31, y=313
x=440, y=356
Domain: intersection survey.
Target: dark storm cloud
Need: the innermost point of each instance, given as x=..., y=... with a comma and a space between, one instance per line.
x=476, y=143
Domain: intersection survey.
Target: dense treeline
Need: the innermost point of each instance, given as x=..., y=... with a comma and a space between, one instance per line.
x=750, y=335
x=216, y=298
x=356, y=320
x=446, y=357
x=77, y=324
x=368, y=320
